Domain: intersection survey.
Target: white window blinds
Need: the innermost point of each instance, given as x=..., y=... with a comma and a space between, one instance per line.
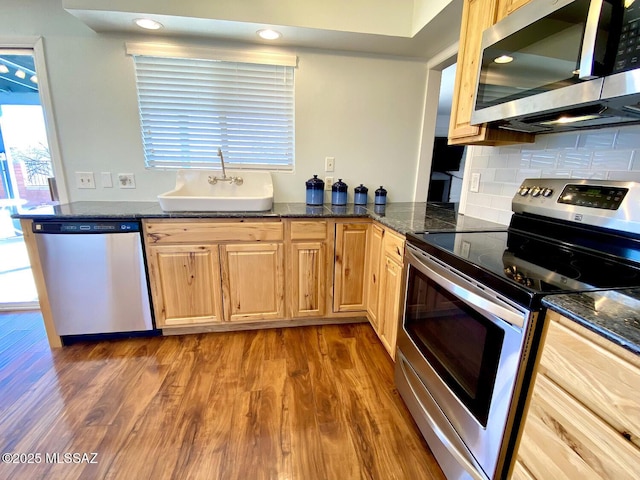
x=190, y=107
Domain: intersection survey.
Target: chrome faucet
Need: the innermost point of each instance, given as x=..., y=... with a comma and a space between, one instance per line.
x=213, y=180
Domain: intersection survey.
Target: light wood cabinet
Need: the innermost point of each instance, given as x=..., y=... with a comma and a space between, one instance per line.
x=350, y=267
x=252, y=281
x=583, y=419
x=207, y=271
x=385, y=257
x=309, y=268
x=390, y=299
x=374, y=265
x=185, y=284
x=477, y=15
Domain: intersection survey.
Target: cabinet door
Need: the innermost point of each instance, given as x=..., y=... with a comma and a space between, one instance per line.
x=390, y=300
x=506, y=7
x=350, y=260
x=477, y=15
x=185, y=282
x=563, y=439
x=374, y=264
x=308, y=279
x=253, y=281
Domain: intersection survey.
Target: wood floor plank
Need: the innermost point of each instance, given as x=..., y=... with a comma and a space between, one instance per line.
x=304, y=403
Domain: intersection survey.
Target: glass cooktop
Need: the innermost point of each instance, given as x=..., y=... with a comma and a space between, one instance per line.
x=531, y=266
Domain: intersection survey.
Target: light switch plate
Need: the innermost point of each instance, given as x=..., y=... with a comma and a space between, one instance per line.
x=475, y=183
x=105, y=180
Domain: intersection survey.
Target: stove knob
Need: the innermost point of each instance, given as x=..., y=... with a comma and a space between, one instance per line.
x=547, y=192
x=535, y=191
x=523, y=191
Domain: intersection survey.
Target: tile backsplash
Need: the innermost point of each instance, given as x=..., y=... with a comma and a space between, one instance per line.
x=608, y=154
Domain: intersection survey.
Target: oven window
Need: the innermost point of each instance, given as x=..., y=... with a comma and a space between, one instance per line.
x=461, y=345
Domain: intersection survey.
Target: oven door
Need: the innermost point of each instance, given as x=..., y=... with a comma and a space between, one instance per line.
x=464, y=343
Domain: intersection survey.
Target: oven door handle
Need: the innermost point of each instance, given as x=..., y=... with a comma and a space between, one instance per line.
x=460, y=453
x=479, y=300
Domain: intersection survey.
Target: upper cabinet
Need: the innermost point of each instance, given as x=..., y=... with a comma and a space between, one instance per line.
x=477, y=15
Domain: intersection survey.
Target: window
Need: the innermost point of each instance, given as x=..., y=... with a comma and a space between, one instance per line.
x=194, y=101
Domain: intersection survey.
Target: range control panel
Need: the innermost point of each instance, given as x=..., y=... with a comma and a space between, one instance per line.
x=595, y=196
x=605, y=203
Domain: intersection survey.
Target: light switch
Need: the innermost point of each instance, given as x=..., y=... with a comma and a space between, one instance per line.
x=85, y=180
x=105, y=180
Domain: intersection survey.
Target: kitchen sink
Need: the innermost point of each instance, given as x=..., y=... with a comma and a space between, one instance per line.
x=211, y=190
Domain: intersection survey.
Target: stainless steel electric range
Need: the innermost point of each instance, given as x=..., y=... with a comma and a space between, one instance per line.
x=473, y=312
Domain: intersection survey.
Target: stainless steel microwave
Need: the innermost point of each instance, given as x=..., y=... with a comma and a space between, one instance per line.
x=556, y=65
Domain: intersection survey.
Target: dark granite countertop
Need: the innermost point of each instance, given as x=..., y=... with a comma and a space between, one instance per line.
x=401, y=217
x=614, y=314
x=609, y=313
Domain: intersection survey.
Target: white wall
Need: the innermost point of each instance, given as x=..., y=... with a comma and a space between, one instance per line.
x=365, y=111
x=606, y=154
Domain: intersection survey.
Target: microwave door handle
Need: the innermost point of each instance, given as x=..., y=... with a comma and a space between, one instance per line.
x=465, y=460
x=487, y=306
x=588, y=51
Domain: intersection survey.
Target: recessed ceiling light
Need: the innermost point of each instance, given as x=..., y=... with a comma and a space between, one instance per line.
x=3, y=68
x=34, y=78
x=148, y=24
x=504, y=59
x=268, y=34
x=20, y=74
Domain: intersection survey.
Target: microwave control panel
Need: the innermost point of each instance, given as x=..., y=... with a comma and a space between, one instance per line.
x=628, y=53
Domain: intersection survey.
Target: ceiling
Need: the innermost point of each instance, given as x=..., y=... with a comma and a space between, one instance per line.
x=409, y=28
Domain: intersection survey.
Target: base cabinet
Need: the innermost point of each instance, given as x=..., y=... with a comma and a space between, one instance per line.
x=309, y=267
x=185, y=284
x=385, y=256
x=350, y=267
x=583, y=419
x=252, y=281
x=208, y=272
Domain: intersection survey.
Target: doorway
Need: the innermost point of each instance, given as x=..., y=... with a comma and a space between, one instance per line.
x=25, y=171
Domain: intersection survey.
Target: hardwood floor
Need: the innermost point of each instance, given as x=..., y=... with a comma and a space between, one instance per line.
x=299, y=403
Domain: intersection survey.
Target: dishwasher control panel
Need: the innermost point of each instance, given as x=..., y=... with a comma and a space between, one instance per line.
x=86, y=227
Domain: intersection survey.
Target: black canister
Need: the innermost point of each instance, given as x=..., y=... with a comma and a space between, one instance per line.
x=339, y=193
x=360, y=195
x=315, y=191
x=381, y=196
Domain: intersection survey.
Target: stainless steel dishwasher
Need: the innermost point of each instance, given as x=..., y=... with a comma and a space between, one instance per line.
x=95, y=276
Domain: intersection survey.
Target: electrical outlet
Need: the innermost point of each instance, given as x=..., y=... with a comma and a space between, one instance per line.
x=105, y=180
x=328, y=183
x=85, y=180
x=329, y=164
x=475, y=183
x=126, y=180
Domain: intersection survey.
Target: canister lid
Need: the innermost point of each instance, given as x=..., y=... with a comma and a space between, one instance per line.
x=339, y=186
x=315, y=183
x=381, y=192
x=361, y=189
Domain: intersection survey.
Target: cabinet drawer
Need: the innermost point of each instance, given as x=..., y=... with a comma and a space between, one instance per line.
x=604, y=382
x=195, y=231
x=394, y=246
x=564, y=440
x=305, y=230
